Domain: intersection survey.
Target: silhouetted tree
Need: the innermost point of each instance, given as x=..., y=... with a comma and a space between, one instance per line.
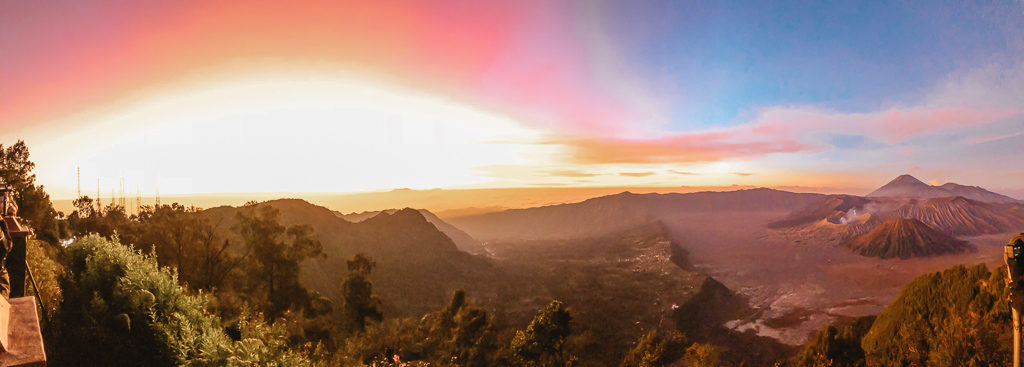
x=360, y=302
x=276, y=253
x=467, y=334
x=186, y=240
x=33, y=202
x=543, y=341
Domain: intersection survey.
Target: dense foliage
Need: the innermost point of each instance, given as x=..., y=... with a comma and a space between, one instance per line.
x=957, y=317
x=835, y=345
x=120, y=308
x=543, y=341
x=952, y=318
x=459, y=334
x=656, y=348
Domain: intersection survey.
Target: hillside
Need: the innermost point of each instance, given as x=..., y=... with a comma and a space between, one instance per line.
x=907, y=186
x=964, y=217
x=417, y=265
x=607, y=214
x=976, y=193
x=462, y=240
x=962, y=313
x=954, y=317
x=905, y=238
x=625, y=283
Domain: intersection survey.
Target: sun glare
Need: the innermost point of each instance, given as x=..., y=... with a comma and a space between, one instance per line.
x=294, y=133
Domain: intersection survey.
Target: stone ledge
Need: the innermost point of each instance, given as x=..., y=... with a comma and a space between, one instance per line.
x=25, y=338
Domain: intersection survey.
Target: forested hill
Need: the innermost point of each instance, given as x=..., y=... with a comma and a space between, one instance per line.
x=417, y=265
x=957, y=317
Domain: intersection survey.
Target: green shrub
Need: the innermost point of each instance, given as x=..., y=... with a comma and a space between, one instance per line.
x=120, y=309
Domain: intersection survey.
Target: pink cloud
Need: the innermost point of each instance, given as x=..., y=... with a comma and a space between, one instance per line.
x=991, y=138
x=781, y=130
x=891, y=125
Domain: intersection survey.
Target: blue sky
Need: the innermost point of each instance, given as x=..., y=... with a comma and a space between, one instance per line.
x=718, y=61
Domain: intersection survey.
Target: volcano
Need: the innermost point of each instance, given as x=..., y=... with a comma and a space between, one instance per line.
x=907, y=186
x=905, y=238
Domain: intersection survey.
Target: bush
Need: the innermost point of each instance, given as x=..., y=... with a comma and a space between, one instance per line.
x=835, y=345
x=656, y=348
x=45, y=271
x=120, y=309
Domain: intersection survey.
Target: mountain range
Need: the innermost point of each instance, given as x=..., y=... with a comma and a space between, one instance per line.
x=907, y=186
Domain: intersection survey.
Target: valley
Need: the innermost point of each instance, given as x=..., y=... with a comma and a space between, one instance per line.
x=788, y=254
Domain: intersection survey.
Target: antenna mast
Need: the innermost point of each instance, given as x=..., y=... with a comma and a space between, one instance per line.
x=124, y=202
x=78, y=175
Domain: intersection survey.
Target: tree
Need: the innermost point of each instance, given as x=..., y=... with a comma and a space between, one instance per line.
x=466, y=332
x=655, y=348
x=360, y=302
x=543, y=341
x=276, y=252
x=184, y=239
x=112, y=219
x=33, y=202
x=835, y=345
x=119, y=308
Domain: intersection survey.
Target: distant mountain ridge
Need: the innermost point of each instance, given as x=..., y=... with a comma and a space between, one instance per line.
x=907, y=186
x=607, y=214
x=462, y=240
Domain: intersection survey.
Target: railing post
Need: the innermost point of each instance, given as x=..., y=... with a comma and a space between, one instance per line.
x=16, y=260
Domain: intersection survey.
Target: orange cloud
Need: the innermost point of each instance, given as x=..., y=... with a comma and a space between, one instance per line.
x=636, y=174
x=570, y=173
x=698, y=147
x=682, y=172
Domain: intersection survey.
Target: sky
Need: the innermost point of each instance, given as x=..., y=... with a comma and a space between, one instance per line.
x=191, y=97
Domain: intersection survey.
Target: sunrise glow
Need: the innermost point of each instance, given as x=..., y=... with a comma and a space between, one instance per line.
x=364, y=96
